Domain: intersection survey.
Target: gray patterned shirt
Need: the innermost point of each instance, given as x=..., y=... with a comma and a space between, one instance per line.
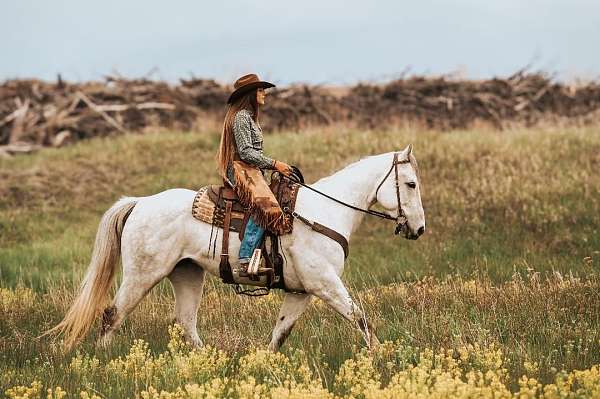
x=249, y=143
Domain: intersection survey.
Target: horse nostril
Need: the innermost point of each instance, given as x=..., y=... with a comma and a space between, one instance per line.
x=421, y=230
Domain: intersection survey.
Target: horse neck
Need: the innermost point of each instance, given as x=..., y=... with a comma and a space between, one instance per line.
x=354, y=185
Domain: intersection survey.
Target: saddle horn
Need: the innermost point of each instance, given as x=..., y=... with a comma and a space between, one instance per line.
x=297, y=174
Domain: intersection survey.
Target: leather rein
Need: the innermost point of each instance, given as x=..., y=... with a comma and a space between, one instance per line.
x=400, y=219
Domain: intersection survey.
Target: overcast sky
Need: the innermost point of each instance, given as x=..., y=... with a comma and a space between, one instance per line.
x=320, y=41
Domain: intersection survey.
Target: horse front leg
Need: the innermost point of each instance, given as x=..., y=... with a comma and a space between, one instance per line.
x=322, y=281
x=333, y=292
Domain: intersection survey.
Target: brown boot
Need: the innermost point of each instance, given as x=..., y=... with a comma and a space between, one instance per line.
x=244, y=268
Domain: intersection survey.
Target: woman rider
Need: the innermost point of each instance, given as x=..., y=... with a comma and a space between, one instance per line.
x=242, y=140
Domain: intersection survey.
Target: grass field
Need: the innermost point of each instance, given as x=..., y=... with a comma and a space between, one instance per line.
x=504, y=283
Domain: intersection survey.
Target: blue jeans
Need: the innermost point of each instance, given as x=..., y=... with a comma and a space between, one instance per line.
x=252, y=237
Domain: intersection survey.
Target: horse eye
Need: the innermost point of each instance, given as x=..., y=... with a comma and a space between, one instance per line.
x=411, y=184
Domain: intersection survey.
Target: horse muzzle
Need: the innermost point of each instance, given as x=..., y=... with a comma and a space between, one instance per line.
x=411, y=235
x=398, y=229
x=402, y=228
x=408, y=232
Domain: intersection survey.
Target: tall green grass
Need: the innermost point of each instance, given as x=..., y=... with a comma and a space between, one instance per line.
x=494, y=201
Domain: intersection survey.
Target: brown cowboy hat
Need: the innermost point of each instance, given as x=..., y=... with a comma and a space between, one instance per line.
x=246, y=84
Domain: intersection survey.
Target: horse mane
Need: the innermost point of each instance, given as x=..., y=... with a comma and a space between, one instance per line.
x=347, y=167
x=412, y=159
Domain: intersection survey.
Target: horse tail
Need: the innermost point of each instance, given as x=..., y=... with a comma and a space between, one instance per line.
x=94, y=289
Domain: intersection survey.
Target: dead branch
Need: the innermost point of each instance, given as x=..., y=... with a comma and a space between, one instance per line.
x=103, y=114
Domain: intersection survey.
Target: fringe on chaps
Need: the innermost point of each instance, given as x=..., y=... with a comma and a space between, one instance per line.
x=255, y=195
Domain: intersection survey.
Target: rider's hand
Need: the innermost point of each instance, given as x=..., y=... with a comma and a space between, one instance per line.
x=283, y=168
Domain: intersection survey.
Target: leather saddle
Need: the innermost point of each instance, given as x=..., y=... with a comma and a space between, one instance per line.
x=219, y=196
x=285, y=192
x=220, y=206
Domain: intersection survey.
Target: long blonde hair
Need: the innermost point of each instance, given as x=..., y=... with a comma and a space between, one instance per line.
x=227, y=146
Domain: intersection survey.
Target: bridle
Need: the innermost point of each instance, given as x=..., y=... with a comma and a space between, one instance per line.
x=400, y=218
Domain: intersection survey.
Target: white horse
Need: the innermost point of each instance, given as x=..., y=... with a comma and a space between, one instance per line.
x=158, y=237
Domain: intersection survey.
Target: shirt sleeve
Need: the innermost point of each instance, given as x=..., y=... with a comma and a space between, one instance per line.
x=242, y=132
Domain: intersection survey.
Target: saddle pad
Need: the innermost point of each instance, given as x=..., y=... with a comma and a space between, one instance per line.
x=205, y=210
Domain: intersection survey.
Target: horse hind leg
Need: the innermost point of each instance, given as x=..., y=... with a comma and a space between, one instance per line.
x=291, y=309
x=133, y=289
x=187, y=280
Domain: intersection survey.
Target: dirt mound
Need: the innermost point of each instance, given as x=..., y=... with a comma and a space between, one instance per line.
x=36, y=113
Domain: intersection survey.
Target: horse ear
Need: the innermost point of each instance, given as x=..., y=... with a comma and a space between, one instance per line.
x=407, y=151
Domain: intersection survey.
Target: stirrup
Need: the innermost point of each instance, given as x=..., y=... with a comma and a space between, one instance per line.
x=254, y=264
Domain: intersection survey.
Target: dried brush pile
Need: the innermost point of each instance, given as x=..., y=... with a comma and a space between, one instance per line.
x=35, y=113
x=449, y=104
